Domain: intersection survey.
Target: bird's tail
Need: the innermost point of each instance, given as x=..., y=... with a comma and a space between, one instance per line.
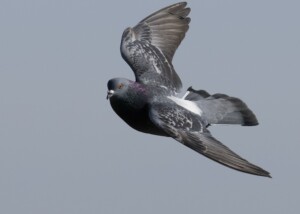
x=221, y=108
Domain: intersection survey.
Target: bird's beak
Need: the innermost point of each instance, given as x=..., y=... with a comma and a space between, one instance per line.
x=109, y=94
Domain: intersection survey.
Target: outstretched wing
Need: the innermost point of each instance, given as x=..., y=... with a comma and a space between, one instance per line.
x=149, y=47
x=187, y=128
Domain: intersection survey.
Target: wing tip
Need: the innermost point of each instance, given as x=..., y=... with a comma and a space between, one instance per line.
x=180, y=10
x=259, y=172
x=249, y=168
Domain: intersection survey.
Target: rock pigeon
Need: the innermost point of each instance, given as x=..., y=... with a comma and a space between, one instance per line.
x=151, y=104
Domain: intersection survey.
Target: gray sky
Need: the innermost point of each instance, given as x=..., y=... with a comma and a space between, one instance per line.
x=64, y=150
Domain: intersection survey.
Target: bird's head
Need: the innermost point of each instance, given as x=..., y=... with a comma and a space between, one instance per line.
x=117, y=87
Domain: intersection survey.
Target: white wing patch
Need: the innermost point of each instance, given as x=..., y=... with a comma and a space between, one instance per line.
x=189, y=105
x=162, y=86
x=156, y=68
x=185, y=95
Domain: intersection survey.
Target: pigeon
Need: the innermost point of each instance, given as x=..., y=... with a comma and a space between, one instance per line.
x=151, y=104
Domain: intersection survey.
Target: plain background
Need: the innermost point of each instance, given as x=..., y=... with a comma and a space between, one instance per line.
x=64, y=150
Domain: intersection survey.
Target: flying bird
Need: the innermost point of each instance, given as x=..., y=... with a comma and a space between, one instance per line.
x=151, y=104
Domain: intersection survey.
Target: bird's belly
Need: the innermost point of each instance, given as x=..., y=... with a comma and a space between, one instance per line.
x=146, y=127
x=138, y=120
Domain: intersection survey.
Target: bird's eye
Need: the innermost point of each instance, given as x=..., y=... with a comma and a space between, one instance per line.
x=120, y=86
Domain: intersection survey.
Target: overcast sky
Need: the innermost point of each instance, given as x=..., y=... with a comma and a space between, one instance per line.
x=64, y=150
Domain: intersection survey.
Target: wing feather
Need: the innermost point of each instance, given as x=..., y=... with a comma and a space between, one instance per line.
x=173, y=121
x=149, y=47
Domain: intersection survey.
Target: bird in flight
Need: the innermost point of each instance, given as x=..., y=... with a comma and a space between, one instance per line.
x=151, y=104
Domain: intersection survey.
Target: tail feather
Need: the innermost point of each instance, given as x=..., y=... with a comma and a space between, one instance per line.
x=221, y=108
x=194, y=95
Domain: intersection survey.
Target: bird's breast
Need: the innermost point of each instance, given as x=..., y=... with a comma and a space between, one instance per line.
x=136, y=116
